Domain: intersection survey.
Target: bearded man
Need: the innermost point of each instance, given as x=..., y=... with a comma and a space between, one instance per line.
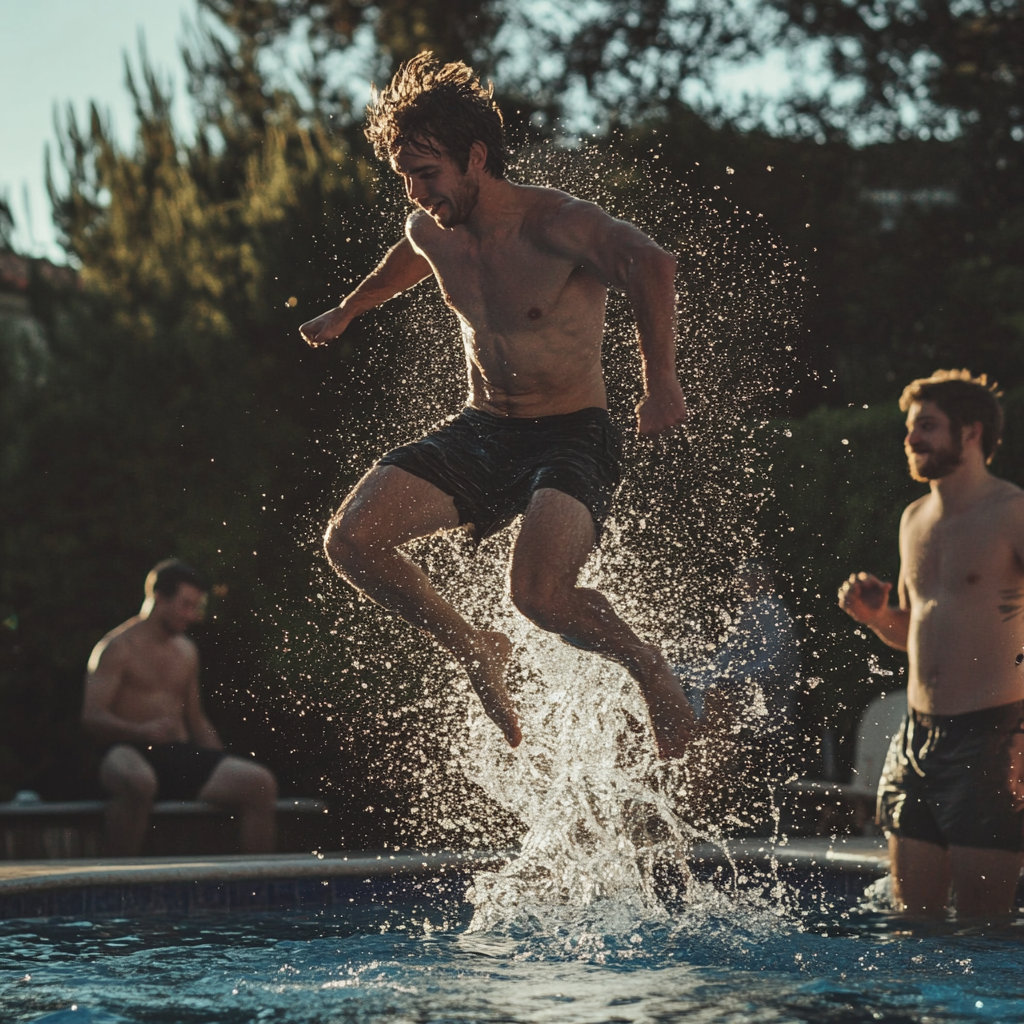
x=526, y=271
x=951, y=796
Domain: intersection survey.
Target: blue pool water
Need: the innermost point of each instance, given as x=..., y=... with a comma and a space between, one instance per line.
x=734, y=964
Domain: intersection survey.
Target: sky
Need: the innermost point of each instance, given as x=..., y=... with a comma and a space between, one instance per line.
x=56, y=52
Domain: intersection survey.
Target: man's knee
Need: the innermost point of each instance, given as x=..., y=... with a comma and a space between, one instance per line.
x=541, y=600
x=126, y=775
x=239, y=781
x=348, y=540
x=262, y=786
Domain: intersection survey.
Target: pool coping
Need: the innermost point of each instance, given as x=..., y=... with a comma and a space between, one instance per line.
x=860, y=855
x=18, y=877
x=854, y=855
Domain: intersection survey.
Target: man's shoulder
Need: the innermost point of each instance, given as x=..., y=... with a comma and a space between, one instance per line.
x=544, y=206
x=1007, y=490
x=116, y=645
x=915, y=508
x=1007, y=501
x=419, y=225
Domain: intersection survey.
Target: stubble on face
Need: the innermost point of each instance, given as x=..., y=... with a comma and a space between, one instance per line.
x=186, y=608
x=939, y=461
x=436, y=184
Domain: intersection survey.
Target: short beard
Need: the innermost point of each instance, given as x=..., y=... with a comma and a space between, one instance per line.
x=938, y=464
x=463, y=204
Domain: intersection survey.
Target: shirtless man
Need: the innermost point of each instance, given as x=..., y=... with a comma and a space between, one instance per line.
x=142, y=698
x=526, y=271
x=952, y=792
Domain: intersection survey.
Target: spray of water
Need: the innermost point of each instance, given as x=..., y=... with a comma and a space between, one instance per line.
x=594, y=812
x=600, y=813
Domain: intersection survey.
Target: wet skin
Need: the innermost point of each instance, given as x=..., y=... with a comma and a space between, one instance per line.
x=526, y=270
x=961, y=588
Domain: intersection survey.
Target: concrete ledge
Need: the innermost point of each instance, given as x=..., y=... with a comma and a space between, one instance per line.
x=37, y=829
x=33, y=876
x=20, y=811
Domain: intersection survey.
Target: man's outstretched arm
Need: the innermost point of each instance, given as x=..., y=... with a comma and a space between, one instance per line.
x=401, y=268
x=623, y=257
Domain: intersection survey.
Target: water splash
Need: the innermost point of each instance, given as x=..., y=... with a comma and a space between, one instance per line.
x=600, y=812
x=594, y=811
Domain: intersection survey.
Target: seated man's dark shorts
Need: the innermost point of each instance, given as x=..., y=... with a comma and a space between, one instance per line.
x=491, y=465
x=182, y=769
x=957, y=780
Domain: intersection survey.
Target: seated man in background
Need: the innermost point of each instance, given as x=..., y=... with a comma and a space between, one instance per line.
x=142, y=701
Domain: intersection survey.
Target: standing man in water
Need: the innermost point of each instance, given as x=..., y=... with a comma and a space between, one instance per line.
x=526, y=271
x=951, y=796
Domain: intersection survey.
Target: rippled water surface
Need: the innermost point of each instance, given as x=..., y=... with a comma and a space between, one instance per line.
x=742, y=965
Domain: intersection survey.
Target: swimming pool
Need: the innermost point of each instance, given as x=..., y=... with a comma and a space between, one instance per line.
x=397, y=947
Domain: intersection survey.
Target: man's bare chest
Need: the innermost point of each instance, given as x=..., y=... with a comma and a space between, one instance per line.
x=958, y=557
x=509, y=286
x=162, y=677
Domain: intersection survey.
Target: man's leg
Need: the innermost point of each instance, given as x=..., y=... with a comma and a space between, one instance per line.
x=251, y=790
x=131, y=784
x=555, y=540
x=390, y=507
x=984, y=881
x=920, y=876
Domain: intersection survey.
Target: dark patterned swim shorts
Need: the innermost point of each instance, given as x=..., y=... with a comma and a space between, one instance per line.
x=491, y=465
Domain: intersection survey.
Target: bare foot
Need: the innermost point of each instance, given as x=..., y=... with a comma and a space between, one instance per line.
x=486, y=670
x=671, y=715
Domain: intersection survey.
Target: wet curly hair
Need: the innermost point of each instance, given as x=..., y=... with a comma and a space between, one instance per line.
x=439, y=107
x=965, y=400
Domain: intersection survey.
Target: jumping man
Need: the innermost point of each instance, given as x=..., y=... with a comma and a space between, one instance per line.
x=526, y=271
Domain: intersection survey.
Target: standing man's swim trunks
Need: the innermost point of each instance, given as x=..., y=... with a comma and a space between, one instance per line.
x=491, y=465
x=957, y=780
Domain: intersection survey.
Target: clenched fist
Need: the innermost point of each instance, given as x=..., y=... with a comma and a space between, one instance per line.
x=863, y=597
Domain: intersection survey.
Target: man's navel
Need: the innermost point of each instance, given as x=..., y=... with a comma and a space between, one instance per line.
x=533, y=313
x=973, y=577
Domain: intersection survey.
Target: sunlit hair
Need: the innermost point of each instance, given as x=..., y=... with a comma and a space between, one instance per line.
x=965, y=400
x=437, y=107
x=165, y=577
